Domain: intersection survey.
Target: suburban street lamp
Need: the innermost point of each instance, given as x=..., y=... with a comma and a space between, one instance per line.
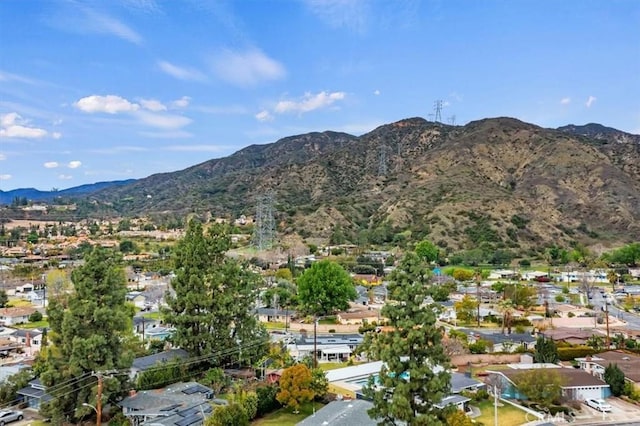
x=98, y=420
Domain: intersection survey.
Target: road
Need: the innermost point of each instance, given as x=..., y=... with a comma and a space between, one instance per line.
x=632, y=319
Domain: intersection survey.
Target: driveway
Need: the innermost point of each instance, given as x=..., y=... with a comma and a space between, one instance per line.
x=621, y=413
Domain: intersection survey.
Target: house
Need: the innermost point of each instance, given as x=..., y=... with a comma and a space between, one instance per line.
x=150, y=361
x=13, y=316
x=30, y=340
x=360, y=316
x=180, y=404
x=502, y=342
x=569, y=311
x=34, y=394
x=568, y=335
x=329, y=347
x=273, y=376
x=367, y=279
x=342, y=413
x=141, y=324
x=7, y=371
x=138, y=299
x=629, y=363
x=579, y=385
x=275, y=315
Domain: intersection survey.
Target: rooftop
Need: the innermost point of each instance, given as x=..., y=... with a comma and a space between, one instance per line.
x=574, y=377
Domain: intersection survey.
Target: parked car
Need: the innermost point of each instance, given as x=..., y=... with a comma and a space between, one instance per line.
x=8, y=416
x=599, y=404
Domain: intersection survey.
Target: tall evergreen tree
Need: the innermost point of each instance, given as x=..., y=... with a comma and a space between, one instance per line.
x=87, y=337
x=415, y=374
x=212, y=303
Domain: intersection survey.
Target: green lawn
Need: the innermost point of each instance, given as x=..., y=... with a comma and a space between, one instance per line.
x=284, y=416
x=508, y=415
x=326, y=366
x=153, y=315
x=37, y=324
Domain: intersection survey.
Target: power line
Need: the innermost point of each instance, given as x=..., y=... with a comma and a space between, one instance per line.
x=437, y=108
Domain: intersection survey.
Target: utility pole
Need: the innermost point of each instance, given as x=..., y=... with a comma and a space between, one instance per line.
x=478, y=276
x=606, y=316
x=315, y=342
x=99, y=400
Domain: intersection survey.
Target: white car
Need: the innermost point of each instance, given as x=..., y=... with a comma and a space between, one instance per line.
x=8, y=416
x=599, y=404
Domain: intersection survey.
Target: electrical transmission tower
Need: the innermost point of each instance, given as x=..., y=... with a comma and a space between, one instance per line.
x=265, y=230
x=382, y=160
x=437, y=108
x=452, y=120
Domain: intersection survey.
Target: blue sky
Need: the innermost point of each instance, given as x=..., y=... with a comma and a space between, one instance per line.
x=107, y=90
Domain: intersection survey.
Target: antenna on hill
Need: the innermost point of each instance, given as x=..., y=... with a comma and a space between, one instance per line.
x=382, y=160
x=452, y=120
x=265, y=229
x=437, y=108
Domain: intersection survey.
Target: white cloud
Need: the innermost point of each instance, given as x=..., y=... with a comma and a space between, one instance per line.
x=110, y=104
x=64, y=177
x=590, y=101
x=104, y=24
x=2, y=157
x=264, y=115
x=181, y=73
x=74, y=164
x=12, y=125
x=56, y=135
x=163, y=121
x=183, y=102
x=376, y=92
x=5, y=177
x=565, y=101
x=309, y=102
x=153, y=105
x=51, y=164
x=7, y=76
x=247, y=68
x=351, y=14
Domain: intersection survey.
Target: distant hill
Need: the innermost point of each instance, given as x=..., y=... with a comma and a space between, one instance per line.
x=500, y=182
x=495, y=183
x=32, y=194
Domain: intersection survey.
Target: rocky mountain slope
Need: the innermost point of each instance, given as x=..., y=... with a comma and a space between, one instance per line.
x=498, y=181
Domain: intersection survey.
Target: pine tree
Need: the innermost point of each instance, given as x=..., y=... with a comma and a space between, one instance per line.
x=211, y=306
x=415, y=374
x=88, y=336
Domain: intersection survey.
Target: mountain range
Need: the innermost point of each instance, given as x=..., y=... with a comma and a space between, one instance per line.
x=499, y=182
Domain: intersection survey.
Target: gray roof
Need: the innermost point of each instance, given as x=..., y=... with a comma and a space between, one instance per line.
x=331, y=339
x=146, y=362
x=275, y=312
x=21, y=332
x=460, y=382
x=452, y=400
x=342, y=413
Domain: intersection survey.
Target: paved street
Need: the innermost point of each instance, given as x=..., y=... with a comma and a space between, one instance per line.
x=632, y=319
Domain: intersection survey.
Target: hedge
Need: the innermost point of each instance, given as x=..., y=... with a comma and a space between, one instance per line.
x=569, y=354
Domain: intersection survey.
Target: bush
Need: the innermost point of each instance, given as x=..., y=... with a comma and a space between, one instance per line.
x=35, y=317
x=481, y=395
x=568, y=354
x=267, y=401
x=571, y=315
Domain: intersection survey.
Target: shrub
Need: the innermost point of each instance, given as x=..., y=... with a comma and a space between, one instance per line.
x=571, y=315
x=35, y=317
x=567, y=354
x=267, y=401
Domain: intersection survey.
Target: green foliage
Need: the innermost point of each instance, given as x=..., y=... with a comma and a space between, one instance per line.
x=215, y=379
x=233, y=414
x=519, y=222
x=466, y=309
x=440, y=293
x=546, y=351
x=462, y=274
x=541, y=385
x=4, y=299
x=325, y=288
x=35, y=317
x=614, y=377
x=628, y=255
x=479, y=347
x=13, y=384
x=89, y=334
x=571, y=353
x=267, y=401
x=165, y=374
x=127, y=246
x=211, y=310
x=410, y=385
x=427, y=251
x=319, y=383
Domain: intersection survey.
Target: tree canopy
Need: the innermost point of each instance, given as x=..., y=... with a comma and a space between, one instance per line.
x=325, y=288
x=414, y=377
x=541, y=385
x=296, y=386
x=89, y=336
x=427, y=251
x=614, y=377
x=546, y=351
x=211, y=306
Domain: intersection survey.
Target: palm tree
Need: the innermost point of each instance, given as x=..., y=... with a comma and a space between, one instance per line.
x=613, y=278
x=506, y=307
